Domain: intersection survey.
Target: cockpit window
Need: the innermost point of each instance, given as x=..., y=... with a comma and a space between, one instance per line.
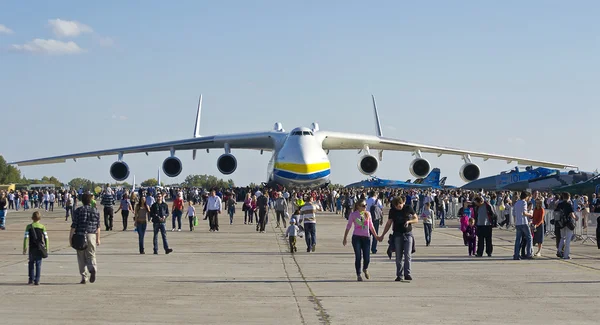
x=302, y=133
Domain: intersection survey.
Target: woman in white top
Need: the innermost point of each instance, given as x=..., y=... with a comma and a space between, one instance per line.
x=191, y=214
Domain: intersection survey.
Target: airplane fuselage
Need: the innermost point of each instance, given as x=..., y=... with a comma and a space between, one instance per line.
x=299, y=161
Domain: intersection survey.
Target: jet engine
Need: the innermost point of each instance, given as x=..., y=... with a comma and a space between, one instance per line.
x=172, y=166
x=469, y=172
x=419, y=168
x=119, y=171
x=226, y=163
x=368, y=164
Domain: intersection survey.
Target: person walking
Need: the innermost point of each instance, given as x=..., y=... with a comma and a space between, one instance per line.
x=401, y=217
x=523, y=232
x=3, y=210
x=309, y=217
x=281, y=207
x=37, y=237
x=125, y=207
x=177, y=209
x=262, y=204
x=108, y=201
x=213, y=209
x=361, y=240
x=86, y=222
x=159, y=212
x=142, y=211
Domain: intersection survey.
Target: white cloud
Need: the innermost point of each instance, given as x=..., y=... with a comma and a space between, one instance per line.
x=48, y=46
x=119, y=117
x=68, y=28
x=5, y=30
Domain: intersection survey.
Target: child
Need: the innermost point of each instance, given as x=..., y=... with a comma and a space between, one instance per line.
x=296, y=216
x=36, y=232
x=191, y=214
x=427, y=217
x=471, y=234
x=292, y=232
x=465, y=214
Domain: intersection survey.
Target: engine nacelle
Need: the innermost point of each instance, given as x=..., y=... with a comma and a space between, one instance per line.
x=368, y=164
x=419, y=168
x=172, y=166
x=226, y=163
x=469, y=172
x=119, y=171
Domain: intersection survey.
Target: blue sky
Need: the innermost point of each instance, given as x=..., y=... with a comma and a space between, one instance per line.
x=511, y=77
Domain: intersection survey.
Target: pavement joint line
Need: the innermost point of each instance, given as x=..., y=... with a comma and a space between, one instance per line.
x=287, y=274
x=565, y=262
x=324, y=316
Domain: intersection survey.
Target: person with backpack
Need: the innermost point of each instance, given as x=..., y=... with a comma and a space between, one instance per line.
x=37, y=237
x=566, y=222
x=485, y=221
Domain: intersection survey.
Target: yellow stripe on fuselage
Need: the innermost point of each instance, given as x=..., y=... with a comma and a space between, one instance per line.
x=303, y=168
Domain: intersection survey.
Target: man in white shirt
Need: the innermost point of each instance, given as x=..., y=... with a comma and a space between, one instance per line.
x=213, y=208
x=522, y=216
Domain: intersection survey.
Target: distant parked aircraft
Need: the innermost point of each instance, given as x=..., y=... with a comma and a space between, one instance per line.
x=551, y=182
x=498, y=182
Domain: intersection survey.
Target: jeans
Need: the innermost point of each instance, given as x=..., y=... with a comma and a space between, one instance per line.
x=566, y=235
x=25, y=205
x=428, y=228
x=231, y=211
x=2, y=218
x=442, y=214
x=68, y=211
x=141, y=230
x=160, y=226
x=374, y=242
x=484, y=235
x=35, y=260
x=51, y=206
x=213, y=219
x=280, y=216
x=523, y=234
x=125, y=216
x=310, y=234
x=108, y=218
x=17, y=204
x=262, y=220
x=403, y=245
x=177, y=217
x=361, y=246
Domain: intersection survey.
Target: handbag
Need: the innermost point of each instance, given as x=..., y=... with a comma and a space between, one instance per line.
x=195, y=221
x=79, y=242
x=39, y=244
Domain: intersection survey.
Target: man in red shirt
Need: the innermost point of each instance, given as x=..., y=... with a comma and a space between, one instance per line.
x=177, y=209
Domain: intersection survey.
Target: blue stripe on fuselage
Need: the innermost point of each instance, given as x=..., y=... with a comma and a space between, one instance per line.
x=302, y=177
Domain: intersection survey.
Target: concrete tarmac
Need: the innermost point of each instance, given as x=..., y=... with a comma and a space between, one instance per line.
x=239, y=276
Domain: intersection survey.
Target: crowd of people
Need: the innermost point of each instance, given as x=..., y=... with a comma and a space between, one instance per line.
x=478, y=214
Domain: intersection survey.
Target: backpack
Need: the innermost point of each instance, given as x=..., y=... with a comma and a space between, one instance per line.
x=562, y=220
x=376, y=211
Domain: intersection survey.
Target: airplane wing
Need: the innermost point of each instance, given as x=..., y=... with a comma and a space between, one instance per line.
x=349, y=141
x=255, y=140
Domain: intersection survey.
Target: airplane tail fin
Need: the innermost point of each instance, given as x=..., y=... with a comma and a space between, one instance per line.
x=433, y=178
x=197, y=128
x=377, y=125
x=443, y=181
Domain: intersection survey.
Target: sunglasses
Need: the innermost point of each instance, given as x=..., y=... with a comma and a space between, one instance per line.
x=362, y=206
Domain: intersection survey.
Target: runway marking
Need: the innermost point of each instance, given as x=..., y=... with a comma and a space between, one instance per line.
x=323, y=315
x=287, y=274
x=566, y=262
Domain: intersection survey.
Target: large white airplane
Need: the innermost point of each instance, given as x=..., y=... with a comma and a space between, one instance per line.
x=299, y=157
